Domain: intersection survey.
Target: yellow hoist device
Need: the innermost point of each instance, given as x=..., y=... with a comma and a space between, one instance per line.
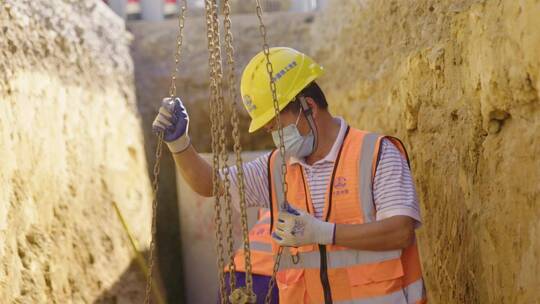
x=221, y=185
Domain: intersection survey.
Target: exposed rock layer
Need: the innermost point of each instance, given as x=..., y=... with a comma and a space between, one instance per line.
x=70, y=146
x=458, y=82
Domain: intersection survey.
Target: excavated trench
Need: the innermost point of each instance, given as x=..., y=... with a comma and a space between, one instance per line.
x=457, y=81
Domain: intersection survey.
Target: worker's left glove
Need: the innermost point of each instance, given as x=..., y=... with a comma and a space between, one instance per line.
x=297, y=228
x=173, y=121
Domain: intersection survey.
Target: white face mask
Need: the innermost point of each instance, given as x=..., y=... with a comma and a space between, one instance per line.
x=295, y=144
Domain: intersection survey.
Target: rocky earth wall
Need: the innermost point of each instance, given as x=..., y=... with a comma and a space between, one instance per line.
x=70, y=145
x=458, y=82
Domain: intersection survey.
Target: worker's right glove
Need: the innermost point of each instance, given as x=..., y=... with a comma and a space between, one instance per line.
x=298, y=228
x=173, y=121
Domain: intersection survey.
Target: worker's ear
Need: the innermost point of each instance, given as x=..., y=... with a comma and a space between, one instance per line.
x=313, y=105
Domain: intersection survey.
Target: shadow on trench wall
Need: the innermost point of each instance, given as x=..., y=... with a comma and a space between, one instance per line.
x=168, y=241
x=130, y=286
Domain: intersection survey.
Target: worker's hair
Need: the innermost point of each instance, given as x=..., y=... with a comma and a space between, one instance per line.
x=311, y=90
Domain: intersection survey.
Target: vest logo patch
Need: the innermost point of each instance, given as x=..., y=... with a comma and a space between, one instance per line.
x=340, y=186
x=340, y=183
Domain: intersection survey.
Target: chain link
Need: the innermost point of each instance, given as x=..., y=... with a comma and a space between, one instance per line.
x=158, y=154
x=155, y=188
x=179, y=41
x=250, y=295
x=223, y=153
x=243, y=295
x=214, y=118
x=270, y=70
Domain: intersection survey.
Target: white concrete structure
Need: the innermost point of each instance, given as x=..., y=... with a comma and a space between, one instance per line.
x=151, y=10
x=198, y=238
x=156, y=10
x=307, y=5
x=119, y=7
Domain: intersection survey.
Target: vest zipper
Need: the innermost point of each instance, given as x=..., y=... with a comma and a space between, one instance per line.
x=324, y=275
x=322, y=248
x=323, y=272
x=270, y=204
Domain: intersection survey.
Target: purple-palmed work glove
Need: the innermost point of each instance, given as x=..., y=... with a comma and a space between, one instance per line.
x=173, y=121
x=297, y=228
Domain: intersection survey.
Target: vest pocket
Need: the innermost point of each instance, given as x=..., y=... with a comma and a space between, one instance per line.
x=378, y=280
x=291, y=286
x=376, y=272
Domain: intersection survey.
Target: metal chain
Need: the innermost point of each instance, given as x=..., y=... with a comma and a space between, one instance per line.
x=179, y=41
x=158, y=154
x=270, y=70
x=243, y=295
x=223, y=154
x=249, y=294
x=214, y=113
x=155, y=188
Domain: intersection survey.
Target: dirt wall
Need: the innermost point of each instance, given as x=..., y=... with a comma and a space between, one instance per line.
x=70, y=145
x=458, y=82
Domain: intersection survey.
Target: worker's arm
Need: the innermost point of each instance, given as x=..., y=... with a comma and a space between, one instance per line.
x=173, y=121
x=396, y=232
x=196, y=171
x=298, y=228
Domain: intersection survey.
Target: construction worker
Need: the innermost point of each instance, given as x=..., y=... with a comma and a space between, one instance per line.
x=348, y=221
x=262, y=259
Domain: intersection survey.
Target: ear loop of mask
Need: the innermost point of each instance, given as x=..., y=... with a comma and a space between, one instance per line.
x=308, y=113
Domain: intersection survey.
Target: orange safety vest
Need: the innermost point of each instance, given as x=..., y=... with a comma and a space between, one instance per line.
x=260, y=245
x=334, y=274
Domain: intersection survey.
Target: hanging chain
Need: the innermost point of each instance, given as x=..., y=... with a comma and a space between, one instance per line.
x=155, y=188
x=214, y=114
x=238, y=295
x=270, y=70
x=223, y=149
x=179, y=41
x=224, y=156
x=158, y=154
x=248, y=294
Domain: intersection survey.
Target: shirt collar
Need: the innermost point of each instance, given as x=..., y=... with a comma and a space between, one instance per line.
x=332, y=155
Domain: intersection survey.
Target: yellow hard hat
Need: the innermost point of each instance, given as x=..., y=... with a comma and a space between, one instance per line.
x=293, y=71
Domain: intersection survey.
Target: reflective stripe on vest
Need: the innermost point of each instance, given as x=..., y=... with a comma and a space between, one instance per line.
x=356, y=276
x=277, y=179
x=265, y=220
x=338, y=259
x=366, y=180
x=416, y=291
x=260, y=246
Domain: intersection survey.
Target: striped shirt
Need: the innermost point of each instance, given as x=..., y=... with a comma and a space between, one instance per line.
x=393, y=188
